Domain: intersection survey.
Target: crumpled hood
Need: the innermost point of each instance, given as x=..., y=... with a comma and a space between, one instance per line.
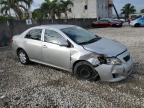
x=106, y=46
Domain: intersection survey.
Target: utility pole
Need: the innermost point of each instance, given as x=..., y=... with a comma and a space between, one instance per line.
x=111, y=4
x=116, y=11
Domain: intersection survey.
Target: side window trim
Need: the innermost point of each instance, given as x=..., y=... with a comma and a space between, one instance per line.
x=42, y=35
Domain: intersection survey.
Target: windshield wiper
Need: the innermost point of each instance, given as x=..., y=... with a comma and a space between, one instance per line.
x=90, y=41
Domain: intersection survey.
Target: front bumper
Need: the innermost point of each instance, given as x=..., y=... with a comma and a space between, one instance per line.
x=114, y=73
x=132, y=24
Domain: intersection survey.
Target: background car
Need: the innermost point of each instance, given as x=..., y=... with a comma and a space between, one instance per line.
x=107, y=22
x=120, y=20
x=135, y=16
x=138, y=22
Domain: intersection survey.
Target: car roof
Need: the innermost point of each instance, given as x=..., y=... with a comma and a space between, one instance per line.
x=54, y=26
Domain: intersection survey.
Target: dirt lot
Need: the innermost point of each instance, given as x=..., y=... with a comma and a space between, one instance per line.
x=39, y=86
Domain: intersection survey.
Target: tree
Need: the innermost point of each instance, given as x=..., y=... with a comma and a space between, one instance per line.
x=65, y=6
x=127, y=10
x=142, y=11
x=49, y=7
x=37, y=14
x=29, y=2
x=17, y=6
x=54, y=8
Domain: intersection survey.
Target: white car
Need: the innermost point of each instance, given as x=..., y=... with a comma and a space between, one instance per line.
x=137, y=22
x=76, y=50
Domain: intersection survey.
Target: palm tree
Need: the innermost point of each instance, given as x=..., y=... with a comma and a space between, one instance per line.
x=17, y=6
x=142, y=11
x=49, y=7
x=66, y=6
x=127, y=10
x=29, y=2
x=56, y=7
x=37, y=14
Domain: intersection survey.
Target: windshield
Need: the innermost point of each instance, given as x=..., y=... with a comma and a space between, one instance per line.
x=80, y=35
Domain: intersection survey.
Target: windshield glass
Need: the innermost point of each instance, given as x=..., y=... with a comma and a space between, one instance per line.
x=80, y=35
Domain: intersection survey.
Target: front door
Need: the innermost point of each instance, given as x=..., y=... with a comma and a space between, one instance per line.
x=52, y=51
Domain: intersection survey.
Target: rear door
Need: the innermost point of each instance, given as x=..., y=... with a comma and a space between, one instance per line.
x=33, y=44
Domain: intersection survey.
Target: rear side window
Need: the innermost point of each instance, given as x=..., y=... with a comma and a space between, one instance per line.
x=34, y=34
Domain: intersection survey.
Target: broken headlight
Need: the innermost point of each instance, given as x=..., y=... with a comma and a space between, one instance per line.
x=109, y=60
x=114, y=61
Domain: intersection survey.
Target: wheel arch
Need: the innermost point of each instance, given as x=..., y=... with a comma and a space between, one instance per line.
x=26, y=56
x=78, y=61
x=18, y=49
x=137, y=24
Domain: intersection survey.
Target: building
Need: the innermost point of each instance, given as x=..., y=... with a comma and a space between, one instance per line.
x=91, y=9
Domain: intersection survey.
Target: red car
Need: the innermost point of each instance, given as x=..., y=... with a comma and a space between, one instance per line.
x=106, y=22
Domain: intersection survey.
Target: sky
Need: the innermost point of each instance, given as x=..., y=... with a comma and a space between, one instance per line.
x=36, y=4
x=139, y=4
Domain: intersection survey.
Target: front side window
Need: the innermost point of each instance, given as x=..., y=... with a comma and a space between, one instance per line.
x=34, y=34
x=80, y=35
x=52, y=37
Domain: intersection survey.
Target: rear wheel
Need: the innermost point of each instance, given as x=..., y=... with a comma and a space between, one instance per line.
x=85, y=71
x=23, y=58
x=113, y=25
x=137, y=25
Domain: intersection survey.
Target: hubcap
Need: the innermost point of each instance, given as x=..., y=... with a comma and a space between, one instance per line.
x=22, y=57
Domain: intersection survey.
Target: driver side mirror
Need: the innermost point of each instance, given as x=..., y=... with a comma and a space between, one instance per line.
x=64, y=42
x=27, y=36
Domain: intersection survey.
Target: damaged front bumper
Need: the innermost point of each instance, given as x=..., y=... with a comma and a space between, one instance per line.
x=114, y=73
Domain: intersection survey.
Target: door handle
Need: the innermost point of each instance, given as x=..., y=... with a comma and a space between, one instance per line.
x=44, y=46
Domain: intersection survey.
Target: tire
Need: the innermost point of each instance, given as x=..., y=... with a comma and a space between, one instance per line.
x=94, y=26
x=85, y=71
x=113, y=25
x=23, y=58
x=137, y=25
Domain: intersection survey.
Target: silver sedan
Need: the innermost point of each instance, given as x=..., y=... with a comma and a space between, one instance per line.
x=76, y=50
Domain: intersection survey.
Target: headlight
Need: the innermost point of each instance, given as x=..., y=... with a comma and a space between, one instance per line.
x=110, y=61
x=114, y=61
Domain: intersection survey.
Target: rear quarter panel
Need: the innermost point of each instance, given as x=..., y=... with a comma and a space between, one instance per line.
x=17, y=42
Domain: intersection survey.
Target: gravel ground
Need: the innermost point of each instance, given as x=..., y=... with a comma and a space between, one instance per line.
x=39, y=86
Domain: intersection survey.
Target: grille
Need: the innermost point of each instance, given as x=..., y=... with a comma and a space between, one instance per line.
x=127, y=58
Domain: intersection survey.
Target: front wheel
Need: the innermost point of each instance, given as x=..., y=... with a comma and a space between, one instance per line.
x=137, y=25
x=85, y=71
x=23, y=58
